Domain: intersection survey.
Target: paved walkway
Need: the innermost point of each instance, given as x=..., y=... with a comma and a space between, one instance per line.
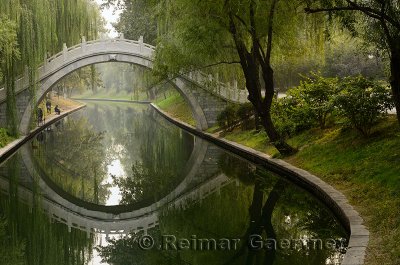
x=9, y=149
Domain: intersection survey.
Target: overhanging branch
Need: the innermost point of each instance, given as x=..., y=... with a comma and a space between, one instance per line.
x=164, y=81
x=377, y=14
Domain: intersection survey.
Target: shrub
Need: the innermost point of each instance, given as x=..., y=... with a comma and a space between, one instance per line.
x=363, y=102
x=289, y=116
x=5, y=138
x=227, y=118
x=315, y=96
x=244, y=113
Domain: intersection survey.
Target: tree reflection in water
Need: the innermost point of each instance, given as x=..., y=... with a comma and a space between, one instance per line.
x=263, y=204
x=27, y=235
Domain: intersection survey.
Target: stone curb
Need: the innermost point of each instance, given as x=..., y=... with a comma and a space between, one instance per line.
x=335, y=200
x=12, y=147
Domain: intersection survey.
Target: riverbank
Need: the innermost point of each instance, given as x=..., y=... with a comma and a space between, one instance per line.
x=67, y=107
x=177, y=107
x=338, y=203
x=366, y=170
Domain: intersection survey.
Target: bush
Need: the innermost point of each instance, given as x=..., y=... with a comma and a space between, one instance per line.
x=315, y=96
x=234, y=114
x=5, y=138
x=305, y=106
x=244, y=113
x=363, y=102
x=227, y=118
x=289, y=116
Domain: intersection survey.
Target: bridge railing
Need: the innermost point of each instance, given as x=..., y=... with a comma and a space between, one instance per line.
x=227, y=91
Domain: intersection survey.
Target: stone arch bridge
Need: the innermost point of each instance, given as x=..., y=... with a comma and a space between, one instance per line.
x=204, y=93
x=202, y=179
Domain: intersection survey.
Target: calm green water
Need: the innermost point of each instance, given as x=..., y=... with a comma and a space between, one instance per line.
x=118, y=183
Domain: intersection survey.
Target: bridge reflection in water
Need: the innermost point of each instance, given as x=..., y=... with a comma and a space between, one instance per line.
x=216, y=194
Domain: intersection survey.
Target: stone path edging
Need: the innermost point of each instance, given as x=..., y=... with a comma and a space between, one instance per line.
x=335, y=200
x=9, y=149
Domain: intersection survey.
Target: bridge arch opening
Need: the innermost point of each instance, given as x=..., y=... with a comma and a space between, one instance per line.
x=60, y=66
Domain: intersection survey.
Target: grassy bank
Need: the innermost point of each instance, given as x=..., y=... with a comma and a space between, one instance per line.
x=366, y=170
x=112, y=94
x=177, y=107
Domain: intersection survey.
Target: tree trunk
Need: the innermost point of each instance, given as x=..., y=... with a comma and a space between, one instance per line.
x=395, y=78
x=264, y=110
x=266, y=218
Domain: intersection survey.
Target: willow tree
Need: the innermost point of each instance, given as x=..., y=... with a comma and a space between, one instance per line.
x=381, y=26
x=252, y=34
x=9, y=54
x=41, y=27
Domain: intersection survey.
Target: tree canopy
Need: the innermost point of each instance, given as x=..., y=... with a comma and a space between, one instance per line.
x=33, y=30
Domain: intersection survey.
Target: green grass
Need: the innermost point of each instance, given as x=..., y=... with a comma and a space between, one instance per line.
x=111, y=94
x=255, y=139
x=177, y=107
x=366, y=170
x=5, y=138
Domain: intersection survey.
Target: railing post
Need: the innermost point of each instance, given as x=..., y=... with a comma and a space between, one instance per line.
x=83, y=43
x=45, y=61
x=141, y=43
x=65, y=51
x=121, y=36
x=26, y=76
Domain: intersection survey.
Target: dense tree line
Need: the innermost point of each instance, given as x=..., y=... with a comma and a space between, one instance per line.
x=266, y=44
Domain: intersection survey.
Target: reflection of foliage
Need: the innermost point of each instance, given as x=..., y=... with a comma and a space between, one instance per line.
x=234, y=167
x=11, y=254
x=27, y=236
x=261, y=207
x=162, y=149
x=76, y=160
x=145, y=182
x=125, y=251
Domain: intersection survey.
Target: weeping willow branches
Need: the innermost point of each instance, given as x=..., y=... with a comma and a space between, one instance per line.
x=31, y=30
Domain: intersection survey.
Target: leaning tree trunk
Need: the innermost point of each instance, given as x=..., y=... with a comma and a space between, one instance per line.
x=395, y=78
x=275, y=137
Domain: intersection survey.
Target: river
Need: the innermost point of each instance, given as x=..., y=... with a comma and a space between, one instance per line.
x=116, y=181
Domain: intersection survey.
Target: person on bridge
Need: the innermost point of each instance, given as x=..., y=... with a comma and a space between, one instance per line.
x=39, y=116
x=57, y=110
x=48, y=106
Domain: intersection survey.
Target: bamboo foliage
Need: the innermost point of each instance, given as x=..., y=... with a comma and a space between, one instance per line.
x=41, y=27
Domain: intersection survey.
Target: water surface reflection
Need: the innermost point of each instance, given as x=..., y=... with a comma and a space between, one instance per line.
x=61, y=191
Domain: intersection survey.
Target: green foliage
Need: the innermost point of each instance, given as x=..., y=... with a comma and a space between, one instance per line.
x=245, y=112
x=290, y=116
x=360, y=100
x=305, y=106
x=314, y=96
x=178, y=107
x=11, y=253
x=138, y=19
x=8, y=44
x=33, y=30
x=363, y=102
x=227, y=118
x=234, y=114
x=5, y=138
